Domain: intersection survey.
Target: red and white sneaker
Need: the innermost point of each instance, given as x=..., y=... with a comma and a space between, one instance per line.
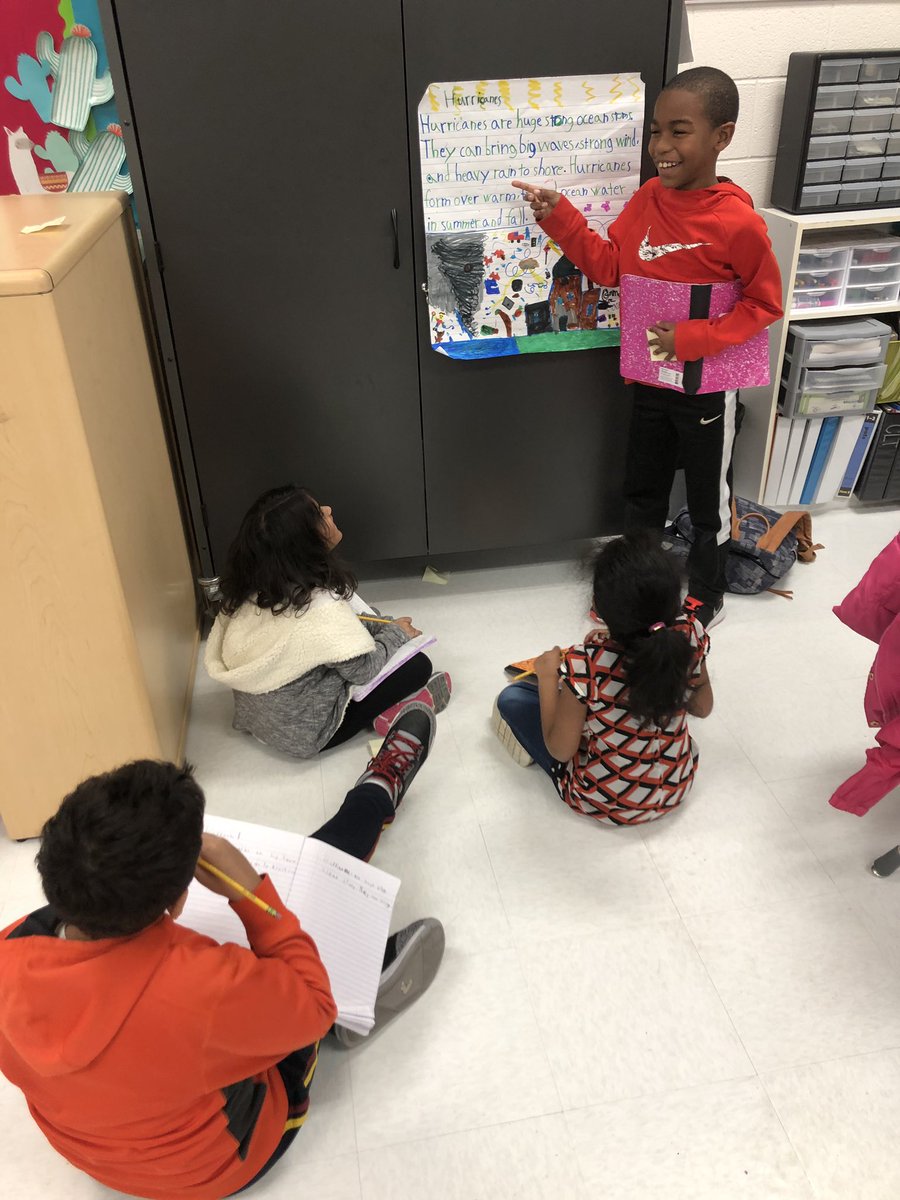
x=434, y=695
x=405, y=748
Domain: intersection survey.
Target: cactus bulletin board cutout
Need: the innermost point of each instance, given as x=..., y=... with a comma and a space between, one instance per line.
x=497, y=284
x=61, y=131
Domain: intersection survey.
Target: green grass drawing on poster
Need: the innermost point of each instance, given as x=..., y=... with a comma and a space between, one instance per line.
x=577, y=339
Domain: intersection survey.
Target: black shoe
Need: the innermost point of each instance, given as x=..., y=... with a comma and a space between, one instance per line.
x=405, y=748
x=707, y=614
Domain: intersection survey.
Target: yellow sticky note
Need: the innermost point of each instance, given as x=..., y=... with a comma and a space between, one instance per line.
x=433, y=576
x=375, y=745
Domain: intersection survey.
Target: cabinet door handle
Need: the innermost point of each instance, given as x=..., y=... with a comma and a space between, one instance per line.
x=395, y=225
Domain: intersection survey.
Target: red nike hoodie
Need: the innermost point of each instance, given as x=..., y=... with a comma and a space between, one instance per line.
x=708, y=235
x=149, y=1061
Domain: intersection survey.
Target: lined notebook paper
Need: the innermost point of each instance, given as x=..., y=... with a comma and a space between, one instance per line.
x=344, y=904
x=407, y=651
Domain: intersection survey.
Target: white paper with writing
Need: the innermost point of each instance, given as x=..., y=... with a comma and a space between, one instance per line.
x=344, y=904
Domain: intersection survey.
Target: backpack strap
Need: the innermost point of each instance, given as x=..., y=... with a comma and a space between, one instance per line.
x=801, y=524
x=736, y=521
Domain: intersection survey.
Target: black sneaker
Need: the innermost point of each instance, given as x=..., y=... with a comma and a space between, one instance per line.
x=405, y=748
x=707, y=614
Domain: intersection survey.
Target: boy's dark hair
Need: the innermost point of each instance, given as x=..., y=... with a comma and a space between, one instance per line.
x=636, y=585
x=280, y=555
x=122, y=847
x=717, y=91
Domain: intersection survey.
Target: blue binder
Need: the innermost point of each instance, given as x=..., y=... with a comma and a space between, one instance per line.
x=819, y=459
x=858, y=454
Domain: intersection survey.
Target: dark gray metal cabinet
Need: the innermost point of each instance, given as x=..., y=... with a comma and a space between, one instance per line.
x=287, y=287
x=524, y=450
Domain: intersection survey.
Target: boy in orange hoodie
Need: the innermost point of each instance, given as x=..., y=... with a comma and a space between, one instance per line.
x=685, y=226
x=154, y=1059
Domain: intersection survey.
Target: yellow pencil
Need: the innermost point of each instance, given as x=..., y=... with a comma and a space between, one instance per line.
x=375, y=620
x=233, y=883
x=516, y=678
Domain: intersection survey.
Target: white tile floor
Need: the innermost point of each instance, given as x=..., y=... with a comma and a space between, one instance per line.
x=706, y=1008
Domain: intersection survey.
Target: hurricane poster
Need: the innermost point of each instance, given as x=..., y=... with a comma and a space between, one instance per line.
x=497, y=284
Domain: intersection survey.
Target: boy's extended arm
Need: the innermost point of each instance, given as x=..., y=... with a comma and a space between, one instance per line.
x=272, y=1001
x=754, y=264
x=596, y=256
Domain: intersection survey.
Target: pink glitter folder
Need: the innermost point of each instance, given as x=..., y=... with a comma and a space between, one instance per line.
x=644, y=302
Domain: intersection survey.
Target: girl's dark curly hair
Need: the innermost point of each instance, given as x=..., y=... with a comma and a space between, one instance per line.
x=280, y=555
x=637, y=585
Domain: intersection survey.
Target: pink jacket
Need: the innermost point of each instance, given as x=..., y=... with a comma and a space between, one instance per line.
x=872, y=609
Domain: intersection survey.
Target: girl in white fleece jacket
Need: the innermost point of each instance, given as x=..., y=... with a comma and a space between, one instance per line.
x=289, y=644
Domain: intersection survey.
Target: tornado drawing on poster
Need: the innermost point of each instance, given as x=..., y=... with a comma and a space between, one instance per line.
x=497, y=284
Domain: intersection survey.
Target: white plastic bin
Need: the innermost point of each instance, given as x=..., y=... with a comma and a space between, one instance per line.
x=873, y=95
x=823, y=196
x=873, y=120
x=853, y=341
x=841, y=95
x=840, y=70
x=872, y=293
x=866, y=145
x=829, y=147
x=875, y=69
x=824, y=392
x=855, y=195
x=857, y=170
x=823, y=172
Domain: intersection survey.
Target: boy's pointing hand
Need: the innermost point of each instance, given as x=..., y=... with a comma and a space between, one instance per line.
x=542, y=200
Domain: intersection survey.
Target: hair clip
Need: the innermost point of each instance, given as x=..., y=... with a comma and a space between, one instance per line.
x=659, y=625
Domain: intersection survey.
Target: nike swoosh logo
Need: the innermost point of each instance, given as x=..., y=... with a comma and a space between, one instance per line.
x=648, y=252
x=709, y=420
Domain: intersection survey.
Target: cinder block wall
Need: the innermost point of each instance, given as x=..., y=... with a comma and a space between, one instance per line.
x=752, y=39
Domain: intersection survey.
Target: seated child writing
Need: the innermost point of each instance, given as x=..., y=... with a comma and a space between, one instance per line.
x=607, y=720
x=154, y=1059
x=289, y=644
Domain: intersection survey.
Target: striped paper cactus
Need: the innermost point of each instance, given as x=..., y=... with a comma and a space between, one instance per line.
x=76, y=88
x=101, y=162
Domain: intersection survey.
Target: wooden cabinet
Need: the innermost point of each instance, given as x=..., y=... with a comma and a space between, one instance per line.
x=98, y=619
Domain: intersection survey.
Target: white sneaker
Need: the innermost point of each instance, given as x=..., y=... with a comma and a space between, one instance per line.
x=508, y=739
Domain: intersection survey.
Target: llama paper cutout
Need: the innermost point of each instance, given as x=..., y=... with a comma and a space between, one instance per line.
x=644, y=302
x=74, y=69
x=28, y=181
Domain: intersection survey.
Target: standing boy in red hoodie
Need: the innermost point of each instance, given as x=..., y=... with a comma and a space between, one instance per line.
x=685, y=226
x=154, y=1059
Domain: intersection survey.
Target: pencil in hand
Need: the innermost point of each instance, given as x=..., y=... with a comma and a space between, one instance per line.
x=238, y=887
x=376, y=620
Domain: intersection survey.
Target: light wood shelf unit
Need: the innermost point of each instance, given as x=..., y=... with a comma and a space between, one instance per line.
x=98, y=618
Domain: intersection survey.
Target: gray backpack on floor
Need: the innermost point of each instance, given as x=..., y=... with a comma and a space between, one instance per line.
x=764, y=545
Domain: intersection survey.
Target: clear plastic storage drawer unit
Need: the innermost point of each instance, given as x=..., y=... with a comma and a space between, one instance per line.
x=828, y=391
x=855, y=341
x=838, y=109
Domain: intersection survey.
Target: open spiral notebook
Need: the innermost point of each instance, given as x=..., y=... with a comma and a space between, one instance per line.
x=344, y=904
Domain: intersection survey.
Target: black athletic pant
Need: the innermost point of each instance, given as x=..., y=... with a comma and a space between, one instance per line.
x=355, y=828
x=405, y=681
x=670, y=430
